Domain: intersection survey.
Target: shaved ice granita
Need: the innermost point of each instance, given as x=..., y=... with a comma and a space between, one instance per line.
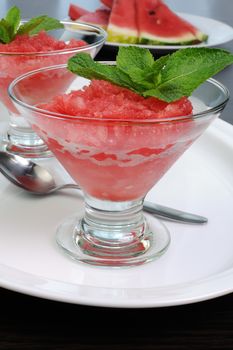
x=117, y=130
x=14, y=63
x=110, y=157
x=31, y=47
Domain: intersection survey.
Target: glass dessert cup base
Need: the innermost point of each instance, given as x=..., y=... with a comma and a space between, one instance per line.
x=25, y=143
x=113, y=237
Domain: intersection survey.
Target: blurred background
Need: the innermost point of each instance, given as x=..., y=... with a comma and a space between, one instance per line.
x=59, y=8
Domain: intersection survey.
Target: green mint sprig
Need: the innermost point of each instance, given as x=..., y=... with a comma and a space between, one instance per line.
x=168, y=78
x=10, y=25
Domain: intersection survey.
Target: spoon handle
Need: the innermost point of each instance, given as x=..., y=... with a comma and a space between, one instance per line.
x=162, y=211
x=65, y=186
x=173, y=214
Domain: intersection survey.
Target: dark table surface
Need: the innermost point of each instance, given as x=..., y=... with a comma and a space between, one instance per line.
x=28, y=322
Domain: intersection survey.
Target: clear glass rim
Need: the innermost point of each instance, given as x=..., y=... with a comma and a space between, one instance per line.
x=55, y=115
x=88, y=27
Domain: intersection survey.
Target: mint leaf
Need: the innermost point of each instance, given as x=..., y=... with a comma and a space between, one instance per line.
x=5, y=36
x=143, y=79
x=36, y=24
x=123, y=74
x=82, y=64
x=135, y=57
x=10, y=25
x=13, y=19
x=168, y=78
x=136, y=62
x=186, y=69
x=157, y=68
x=150, y=76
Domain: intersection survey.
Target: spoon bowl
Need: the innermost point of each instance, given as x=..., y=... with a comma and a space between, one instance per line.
x=26, y=174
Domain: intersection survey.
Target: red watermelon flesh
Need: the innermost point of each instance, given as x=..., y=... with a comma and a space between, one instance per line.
x=107, y=3
x=158, y=24
x=100, y=17
x=75, y=12
x=122, y=26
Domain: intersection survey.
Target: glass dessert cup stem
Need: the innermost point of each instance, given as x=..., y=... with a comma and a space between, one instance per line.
x=22, y=140
x=113, y=234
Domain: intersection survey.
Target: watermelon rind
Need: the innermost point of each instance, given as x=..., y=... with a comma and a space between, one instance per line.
x=202, y=37
x=187, y=39
x=122, y=35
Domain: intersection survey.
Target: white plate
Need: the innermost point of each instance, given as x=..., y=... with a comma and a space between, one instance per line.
x=197, y=266
x=219, y=33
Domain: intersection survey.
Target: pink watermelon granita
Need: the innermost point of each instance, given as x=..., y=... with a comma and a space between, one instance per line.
x=111, y=150
x=42, y=42
x=26, y=53
x=102, y=99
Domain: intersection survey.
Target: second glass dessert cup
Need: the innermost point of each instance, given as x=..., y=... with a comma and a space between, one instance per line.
x=20, y=138
x=116, y=162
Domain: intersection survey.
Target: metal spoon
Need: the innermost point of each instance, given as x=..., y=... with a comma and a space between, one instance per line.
x=33, y=178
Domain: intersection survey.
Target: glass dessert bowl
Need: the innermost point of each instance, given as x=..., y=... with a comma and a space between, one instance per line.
x=116, y=161
x=17, y=60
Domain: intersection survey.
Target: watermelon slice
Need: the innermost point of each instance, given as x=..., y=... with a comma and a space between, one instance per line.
x=75, y=12
x=107, y=3
x=157, y=25
x=100, y=18
x=122, y=26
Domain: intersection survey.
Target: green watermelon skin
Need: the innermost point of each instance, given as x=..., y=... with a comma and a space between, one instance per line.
x=158, y=25
x=122, y=26
x=160, y=41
